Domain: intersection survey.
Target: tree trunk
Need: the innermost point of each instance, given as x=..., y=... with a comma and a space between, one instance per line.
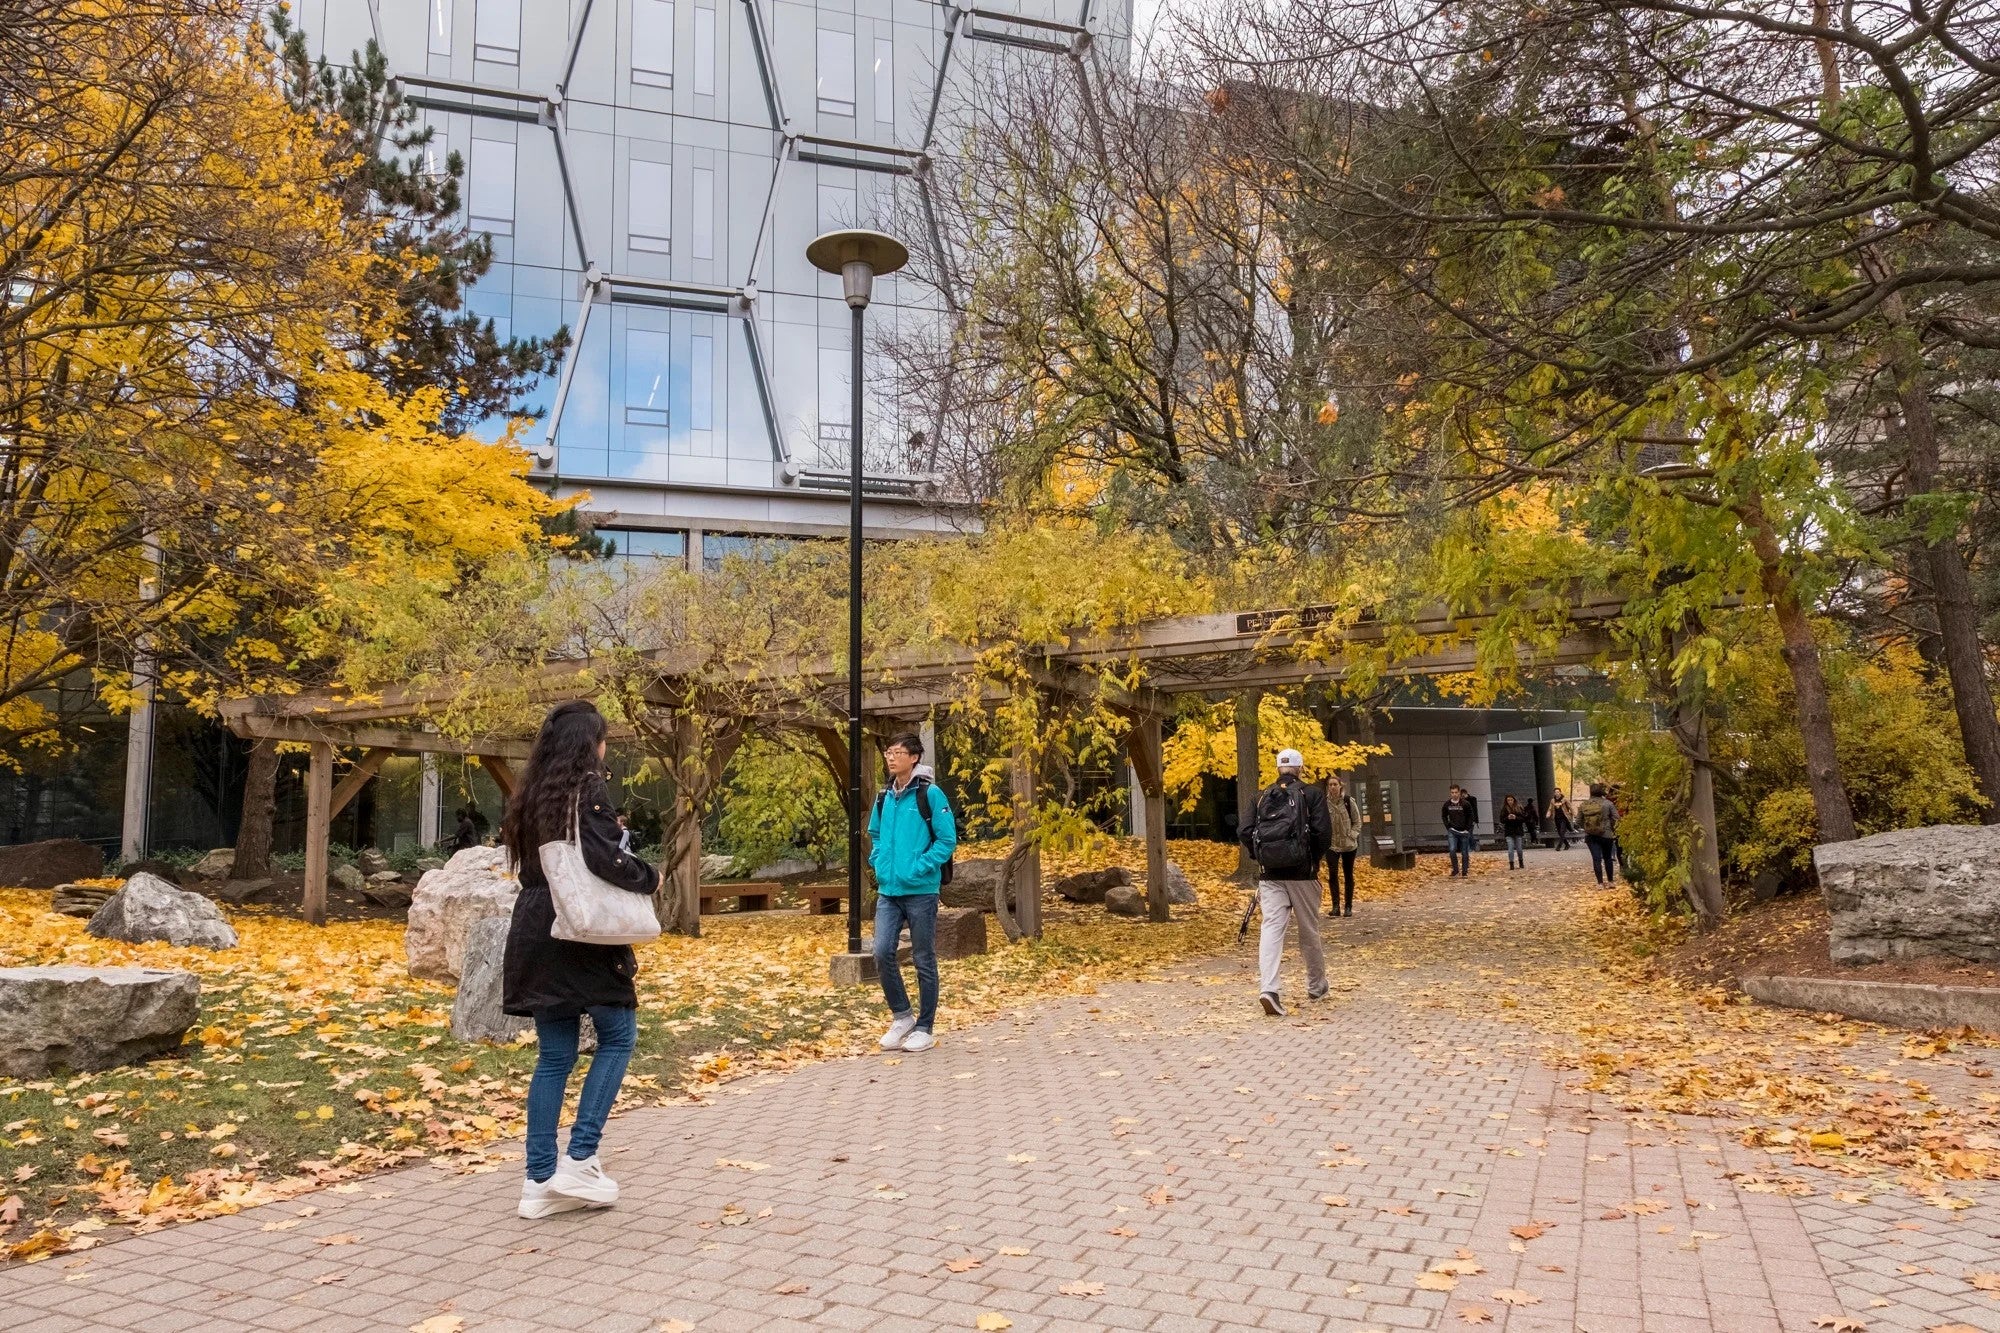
x=1956, y=609
x=1690, y=728
x=260, y=804
x=1023, y=871
x=1809, y=692
x=1247, y=768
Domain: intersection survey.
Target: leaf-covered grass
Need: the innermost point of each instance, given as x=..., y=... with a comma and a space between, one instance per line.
x=317, y=1057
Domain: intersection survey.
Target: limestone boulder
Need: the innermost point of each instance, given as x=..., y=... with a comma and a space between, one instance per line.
x=972, y=883
x=218, y=864
x=1180, y=889
x=1090, y=886
x=247, y=890
x=474, y=885
x=961, y=932
x=76, y=1019
x=387, y=890
x=371, y=862
x=347, y=877
x=1125, y=900
x=784, y=868
x=1914, y=892
x=44, y=865
x=149, y=908
x=715, y=866
x=475, y=1013
x=80, y=899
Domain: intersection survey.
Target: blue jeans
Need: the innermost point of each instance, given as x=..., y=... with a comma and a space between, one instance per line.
x=1517, y=851
x=919, y=912
x=1603, y=857
x=1460, y=845
x=617, y=1028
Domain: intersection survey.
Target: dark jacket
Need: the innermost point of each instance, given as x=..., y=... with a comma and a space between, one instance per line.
x=556, y=978
x=1518, y=822
x=1319, y=833
x=1465, y=819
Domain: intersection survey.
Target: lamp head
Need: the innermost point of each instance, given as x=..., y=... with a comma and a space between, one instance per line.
x=857, y=255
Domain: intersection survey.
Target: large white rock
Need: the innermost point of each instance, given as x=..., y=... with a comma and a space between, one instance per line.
x=472, y=886
x=84, y=1018
x=1180, y=889
x=1914, y=892
x=149, y=908
x=475, y=1013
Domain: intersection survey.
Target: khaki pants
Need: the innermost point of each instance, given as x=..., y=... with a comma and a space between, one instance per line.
x=1282, y=901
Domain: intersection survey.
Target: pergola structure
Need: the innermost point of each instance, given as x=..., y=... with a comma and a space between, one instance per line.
x=1212, y=655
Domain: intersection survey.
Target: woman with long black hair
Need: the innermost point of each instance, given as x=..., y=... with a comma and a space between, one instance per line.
x=555, y=981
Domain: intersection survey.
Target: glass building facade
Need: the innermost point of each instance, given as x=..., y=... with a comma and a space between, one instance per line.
x=650, y=172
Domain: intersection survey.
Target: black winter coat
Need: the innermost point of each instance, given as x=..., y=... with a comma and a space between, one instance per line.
x=551, y=978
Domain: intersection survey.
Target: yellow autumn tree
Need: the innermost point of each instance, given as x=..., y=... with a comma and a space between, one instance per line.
x=1204, y=745
x=195, y=466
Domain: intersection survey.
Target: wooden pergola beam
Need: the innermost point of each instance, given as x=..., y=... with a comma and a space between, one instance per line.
x=350, y=786
x=503, y=776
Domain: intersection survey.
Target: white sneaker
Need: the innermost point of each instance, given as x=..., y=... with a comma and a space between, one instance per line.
x=584, y=1181
x=538, y=1200
x=892, y=1040
x=919, y=1040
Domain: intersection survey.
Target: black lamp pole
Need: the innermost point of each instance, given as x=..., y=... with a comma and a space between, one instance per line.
x=857, y=256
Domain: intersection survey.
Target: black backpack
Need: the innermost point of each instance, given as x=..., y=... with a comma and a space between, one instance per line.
x=1280, y=838
x=923, y=786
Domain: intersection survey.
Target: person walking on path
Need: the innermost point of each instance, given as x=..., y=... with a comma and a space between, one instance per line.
x=912, y=834
x=1461, y=829
x=1288, y=835
x=1515, y=819
x=1598, y=818
x=1344, y=819
x=1559, y=817
x=555, y=982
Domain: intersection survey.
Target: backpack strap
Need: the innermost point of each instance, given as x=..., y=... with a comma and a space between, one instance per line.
x=923, y=790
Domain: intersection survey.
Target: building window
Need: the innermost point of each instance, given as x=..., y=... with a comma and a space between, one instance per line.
x=653, y=42
x=440, y=28
x=704, y=213
x=885, y=81
x=836, y=72
x=634, y=544
x=704, y=51
x=836, y=207
x=836, y=410
x=650, y=206
x=701, y=386
x=496, y=31
x=491, y=186
x=647, y=377
x=717, y=547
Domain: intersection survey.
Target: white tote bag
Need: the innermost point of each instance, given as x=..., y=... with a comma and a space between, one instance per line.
x=589, y=910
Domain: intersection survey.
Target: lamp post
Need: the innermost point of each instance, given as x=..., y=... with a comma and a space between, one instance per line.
x=857, y=256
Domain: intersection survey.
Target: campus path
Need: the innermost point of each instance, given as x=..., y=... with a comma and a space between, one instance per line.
x=1160, y=1156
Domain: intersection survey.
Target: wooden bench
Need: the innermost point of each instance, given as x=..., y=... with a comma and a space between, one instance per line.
x=751, y=895
x=824, y=899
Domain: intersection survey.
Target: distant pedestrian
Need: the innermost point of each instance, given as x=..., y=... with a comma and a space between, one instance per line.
x=1559, y=816
x=467, y=833
x=1288, y=835
x=624, y=831
x=1598, y=818
x=912, y=834
x=1461, y=828
x=1514, y=823
x=1344, y=820
x=556, y=981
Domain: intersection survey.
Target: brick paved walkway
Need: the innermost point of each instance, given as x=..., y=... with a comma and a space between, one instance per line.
x=1158, y=1157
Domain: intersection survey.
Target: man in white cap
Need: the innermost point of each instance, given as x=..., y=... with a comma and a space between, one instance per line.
x=1287, y=836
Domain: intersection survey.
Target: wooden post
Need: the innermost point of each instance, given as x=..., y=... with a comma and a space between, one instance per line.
x=1248, y=769
x=319, y=816
x=1143, y=747
x=1027, y=884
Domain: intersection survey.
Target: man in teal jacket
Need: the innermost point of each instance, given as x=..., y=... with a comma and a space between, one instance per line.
x=912, y=835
